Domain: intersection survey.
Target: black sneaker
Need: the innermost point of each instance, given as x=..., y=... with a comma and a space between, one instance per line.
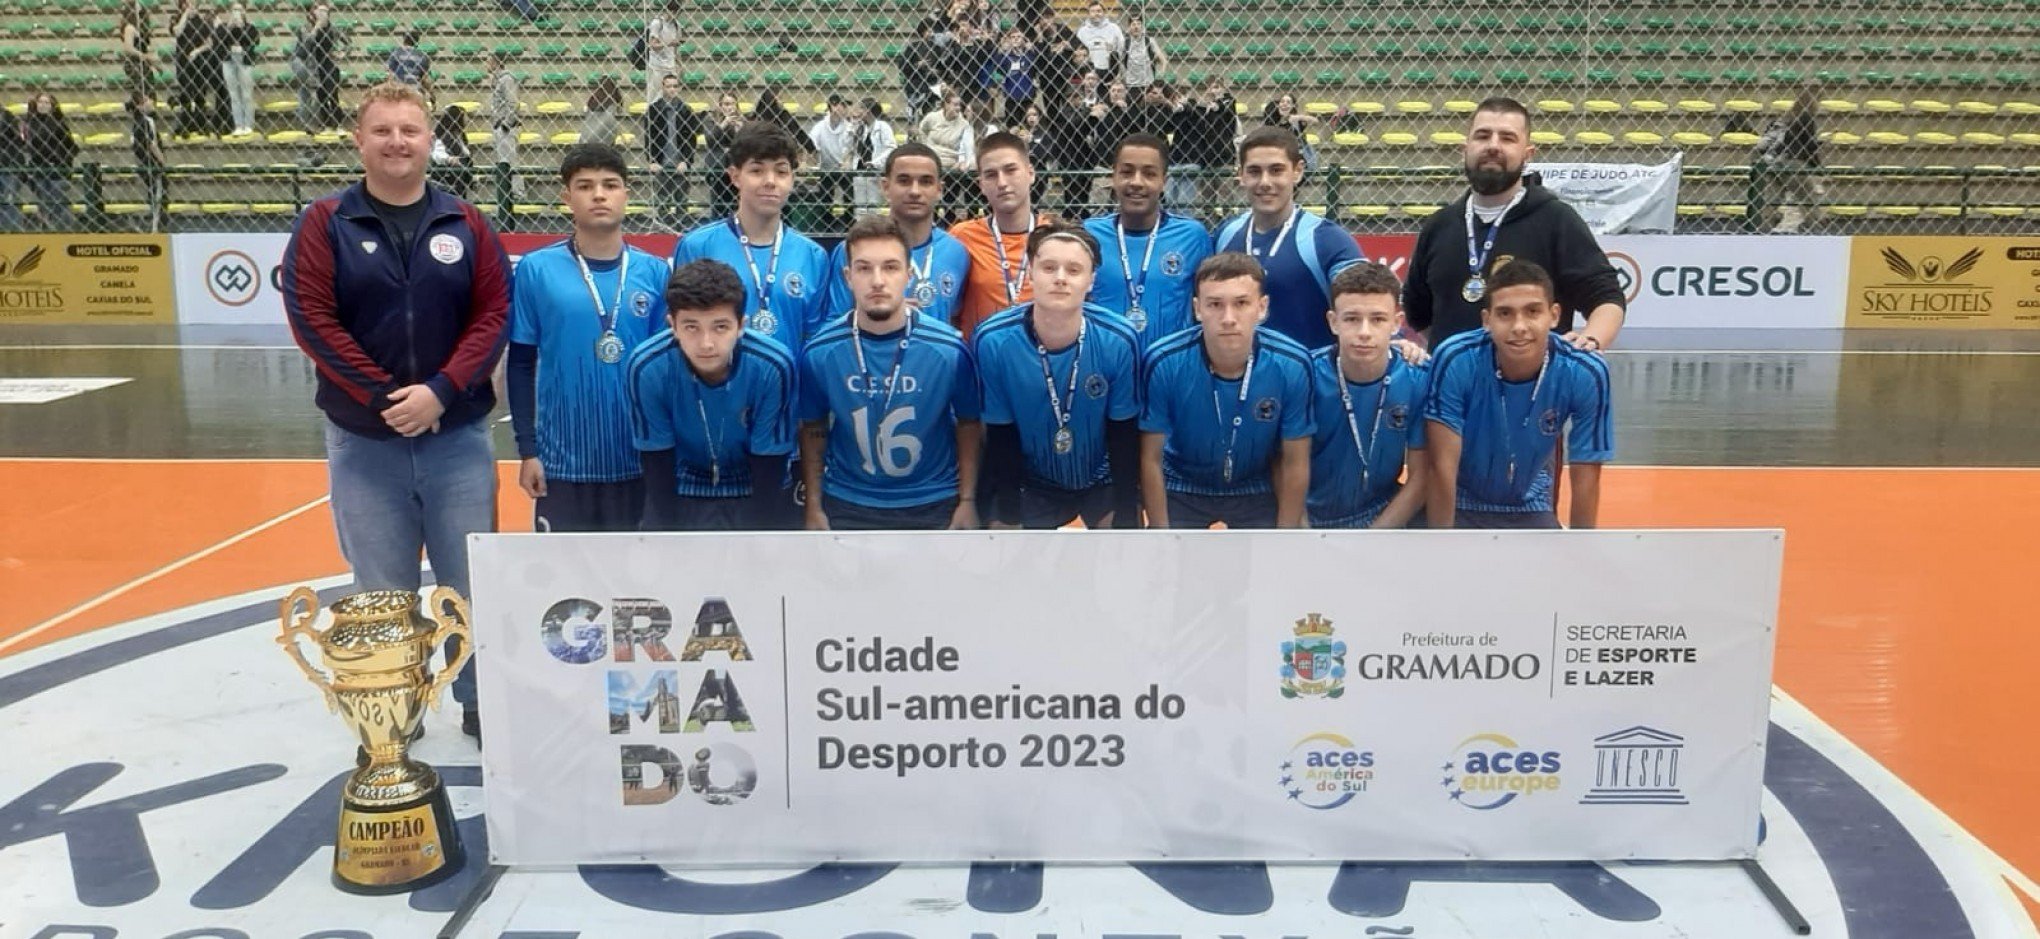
x=361, y=752
x=471, y=723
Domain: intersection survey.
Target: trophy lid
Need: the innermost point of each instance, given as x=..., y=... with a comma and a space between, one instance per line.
x=376, y=619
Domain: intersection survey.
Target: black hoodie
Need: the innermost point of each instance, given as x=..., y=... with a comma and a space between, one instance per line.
x=1542, y=229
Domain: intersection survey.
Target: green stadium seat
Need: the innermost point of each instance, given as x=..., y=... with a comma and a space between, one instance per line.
x=1275, y=24
x=1433, y=49
x=1512, y=76
x=1695, y=76
x=1259, y=50
x=1420, y=78
x=1466, y=76
x=736, y=78
x=1387, y=48
x=1219, y=50
x=1343, y=49
x=1603, y=77
x=1285, y=79
x=1647, y=76
x=1476, y=49
x=1522, y=49
x=1245, y=79
x=1330, y=77
x=1655, y=49
x=1609, y=47
x=1559, y=76
x=1697, y=48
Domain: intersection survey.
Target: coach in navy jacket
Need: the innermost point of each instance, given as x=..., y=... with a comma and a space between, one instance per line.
x=399, y=293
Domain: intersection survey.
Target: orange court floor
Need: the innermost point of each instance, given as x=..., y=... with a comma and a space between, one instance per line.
x=1904, y=621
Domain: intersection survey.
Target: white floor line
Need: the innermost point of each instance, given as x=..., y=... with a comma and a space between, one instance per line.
x=170, y=568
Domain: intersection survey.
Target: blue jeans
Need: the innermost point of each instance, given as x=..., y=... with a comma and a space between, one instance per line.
x=52, y=191
x=10, y=206
x=393, y=498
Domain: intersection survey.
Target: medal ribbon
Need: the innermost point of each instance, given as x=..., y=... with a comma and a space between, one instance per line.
x=604, y=315
x=1055, y=402
x=1239, y=410
x=1014, y=285
x=1137, y=288
x=763, y=285
x=1476, y=258
x=1353, y=421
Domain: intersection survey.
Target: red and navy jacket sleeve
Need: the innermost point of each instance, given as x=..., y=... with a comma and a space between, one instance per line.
x=482, y=331
x=311, y=306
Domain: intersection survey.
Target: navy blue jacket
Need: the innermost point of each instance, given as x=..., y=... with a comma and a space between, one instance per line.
x=374, y=322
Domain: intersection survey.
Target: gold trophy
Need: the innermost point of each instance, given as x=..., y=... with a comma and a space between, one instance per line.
x=396, y=827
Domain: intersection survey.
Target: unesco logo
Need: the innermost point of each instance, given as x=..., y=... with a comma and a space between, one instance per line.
x=233, y=278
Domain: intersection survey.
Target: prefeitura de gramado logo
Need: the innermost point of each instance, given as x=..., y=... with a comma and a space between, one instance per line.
x=1313, y=663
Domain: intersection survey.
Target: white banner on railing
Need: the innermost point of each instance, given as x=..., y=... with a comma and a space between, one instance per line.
x=1615, y=198
x=805, y=697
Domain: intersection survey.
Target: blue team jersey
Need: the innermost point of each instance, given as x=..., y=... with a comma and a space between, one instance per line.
x=892, y=440
x=583, y=419
x=1389, y=415
x=713, y=430
x=1099, y=388
x=1193, y=408
x=797, y=291
x=938, y=294
x=1516, y=423
x=1300, y=270
x=1171, y=257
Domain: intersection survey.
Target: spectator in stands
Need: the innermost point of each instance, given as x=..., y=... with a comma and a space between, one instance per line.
x=504, y=119
x=237, y=40
x=1058, y=56
x=1205, y=130
x=452, y=158
x=49, y=150
x=918, y=74
x=1063, y=143
x=965, y=65
x=599, y=125
x=1111, y=120
x=135, y=58
x=1145, y=64
x=874, y=142
x=984, y=120
x=146, y=140
x=11, y=156
x=1283, y=112
x=833, y=137
x=211, y=102
x=1791, y=145
x=409, y=64
x=670, y=129
x=188, y=28
x=662, y=41
x=1011, y=74
x=718, y=131
x=1104, y=40
x=1153, y=114
x=318, y=49
x=948, y=133
x=1029, y=132
x=771, y=111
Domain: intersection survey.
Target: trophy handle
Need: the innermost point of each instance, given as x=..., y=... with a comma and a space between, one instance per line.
x=297, y=612
x=450, y=612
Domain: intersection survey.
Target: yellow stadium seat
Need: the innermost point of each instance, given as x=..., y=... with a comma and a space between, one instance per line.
x=554, y=107
x=1461, y=106
x=1842, y=138
x=2020, y=108
x=288, y=136
x=1321, y=108
x=637, y=107
x=1555, y=106
x=1413, y=107
x=1593, y=138
x=1350, y=138
x=1649, y=106
x=1886, y=138
x=1398, y=138
x=1601, y=106
x=1696, y=106
x=1945, y=211
x=181, y=208
x=2000, y=211
x=1931, y=106
x=1369, y=108
x=1781, y=105
x=528, y=137
x=1982, y=139
x=1935, y=138
x=124, y=208
x=70, y=107
x=566, y=138
x=1883, y=106
x=328, y=137
x=468, y=106
x=1838, y=106
x=1448, y=138
x=273, y=208
x=1732, y=209
x=105, y=108
x=1847, y=211
x=1690, y=138
x=1367, y=211
x=1736, y=138
x=1743, y=105
x=1896, y=211
x=1692, y=211
x=1420, y=211
x=1546, y=138
x=104, y=139
x=2026, y=139
x=1976, y=107
x=626, y=140
x=223, y=208
x=1642, y=138
x=280, y=106
x=18, y=107
x=240, y=138
x=480, y=138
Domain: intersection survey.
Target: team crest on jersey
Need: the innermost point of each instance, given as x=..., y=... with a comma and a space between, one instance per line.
x=1172, y=263
x=1266, y=409
x=1548, y=422
x=1399, y=417
x=948, y=283
x=796, y=285
x=641, y=304
x=1095, y=385
x=446, y=249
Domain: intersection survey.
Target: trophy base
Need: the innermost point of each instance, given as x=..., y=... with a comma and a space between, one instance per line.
x=397, y=848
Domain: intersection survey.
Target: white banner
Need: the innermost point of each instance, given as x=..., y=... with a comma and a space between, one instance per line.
x=228, y=279
x=808, y=697
x=1618, y=197
x=1732, y=281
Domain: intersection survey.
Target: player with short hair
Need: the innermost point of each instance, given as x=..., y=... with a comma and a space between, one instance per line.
x=1302, y=250
x=1370, y=410
x=712, y=410
x=1150, y=255
x=1226, y=425
x=889, y=403
x=1499, y=398
x=911, y=182
x=1060, y=376
x=577, y=308
x=785, y=272
x=998, y=242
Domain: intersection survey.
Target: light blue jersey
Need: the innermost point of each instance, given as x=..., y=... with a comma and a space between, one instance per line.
x=892, y=403
x=1221, y=435
x=1092, y=381
x=713, y=430
x=1301, y=259
x=1155, y=268
x=1388, y=416
x=1509, y=429
x=940, y=265
x=795, y=296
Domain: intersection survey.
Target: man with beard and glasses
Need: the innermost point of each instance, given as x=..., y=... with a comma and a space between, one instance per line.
x=1502, y=219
